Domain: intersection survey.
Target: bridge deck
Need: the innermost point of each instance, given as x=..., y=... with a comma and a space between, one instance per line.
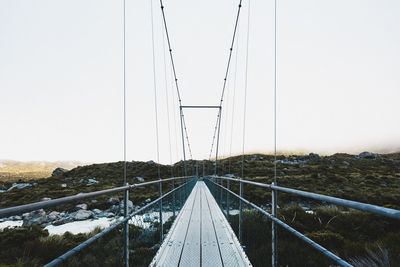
x=200, y=236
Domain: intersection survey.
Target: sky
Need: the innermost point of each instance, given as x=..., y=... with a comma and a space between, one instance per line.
x=61, y=78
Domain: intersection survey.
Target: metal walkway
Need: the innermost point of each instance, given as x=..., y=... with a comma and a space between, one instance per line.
x=200, y=236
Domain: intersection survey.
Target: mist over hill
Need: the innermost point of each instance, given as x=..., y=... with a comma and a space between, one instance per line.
x=12, y=170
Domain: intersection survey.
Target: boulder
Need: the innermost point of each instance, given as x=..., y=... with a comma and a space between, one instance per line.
x=19, y=186
x=367, y=155
x=82, y=215
x=130, y=207
x=63, y=185
x=92, y=181
x=313, y=156
x=113, y=201
x=58, y=171
x=45, y=199
x=82, y=206
x=139, y=179
x=97, y=211
x=53, y=216
x=34, y=217
x=110, y=214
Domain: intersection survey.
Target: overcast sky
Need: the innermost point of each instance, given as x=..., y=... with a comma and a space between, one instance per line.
x=61, y=77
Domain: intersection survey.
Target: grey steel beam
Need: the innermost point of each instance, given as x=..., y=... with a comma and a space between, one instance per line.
x=313, y=244
x=126, y=228
x=392, y=213
x=59, y=201
x=199, y=107
x=274, y=238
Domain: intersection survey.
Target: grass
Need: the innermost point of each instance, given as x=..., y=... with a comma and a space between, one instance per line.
x=356, y=236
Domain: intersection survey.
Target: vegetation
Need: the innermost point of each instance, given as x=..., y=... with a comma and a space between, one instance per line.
x=356, y=236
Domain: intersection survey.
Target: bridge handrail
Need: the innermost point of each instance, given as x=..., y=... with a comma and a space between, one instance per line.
x=63, y=200
x=312, y=243
x=86, y=243
x=392, y=213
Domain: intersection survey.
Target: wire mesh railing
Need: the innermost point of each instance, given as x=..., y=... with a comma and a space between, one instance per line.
x=253, y=226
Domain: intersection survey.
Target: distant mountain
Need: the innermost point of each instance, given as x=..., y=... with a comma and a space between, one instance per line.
x=11, y=170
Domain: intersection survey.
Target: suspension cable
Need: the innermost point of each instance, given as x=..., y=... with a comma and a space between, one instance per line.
x=155, y=87
x=174, y=71
x=170, y=52
x=245, y=86
x=275, y=92
x=124, y=63
x=227, y=68
x=187, y=137
x=213, y=139
x=230, y=51
x=233, y=102
x=167, y=106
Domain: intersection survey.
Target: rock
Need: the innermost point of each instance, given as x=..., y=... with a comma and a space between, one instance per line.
x=19, y=186
x=148, y=200
x=58, y=171
x=34, y=217
x=53, y=216
x=2, y=191
x=367, y=155
x=346, y=163
x=82, y=206
x=62, y=221
x=45, y=199
x=114, y=209
x=92, y=181
x=150, y=162
x=94, y=201
x=113, y=201
x=81, y=181
x=63, y=185
x=110, y=214
x=97, y=211
x=313, y=156
x=82, y=215
x=130, y=207
x=139, y=179
x=35, y=184
x=15, y=218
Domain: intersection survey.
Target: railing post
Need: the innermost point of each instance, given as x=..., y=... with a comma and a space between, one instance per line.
x=161, y=220
x=173, y=199
x=274, y=232
x=126, y=228
x=221, y=193
x=240, y=211
x=227, y=199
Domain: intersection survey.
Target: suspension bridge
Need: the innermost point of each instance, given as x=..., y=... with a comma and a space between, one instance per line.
x=201, y=233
